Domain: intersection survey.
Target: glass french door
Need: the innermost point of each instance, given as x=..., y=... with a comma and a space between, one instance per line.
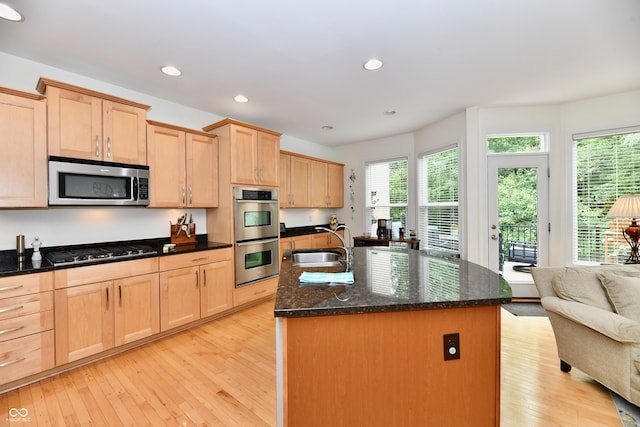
x=518, y=219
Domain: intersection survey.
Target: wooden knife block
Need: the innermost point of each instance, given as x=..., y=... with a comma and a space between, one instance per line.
x=179, y=237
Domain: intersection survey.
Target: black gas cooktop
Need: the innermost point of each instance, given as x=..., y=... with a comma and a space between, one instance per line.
x=98, y=254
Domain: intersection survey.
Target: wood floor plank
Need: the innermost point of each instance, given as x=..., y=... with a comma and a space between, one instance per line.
x=223, y=374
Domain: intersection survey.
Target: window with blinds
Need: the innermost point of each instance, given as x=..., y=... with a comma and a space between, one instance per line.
x=438, y=200
x=606, y=166
x=387, y=193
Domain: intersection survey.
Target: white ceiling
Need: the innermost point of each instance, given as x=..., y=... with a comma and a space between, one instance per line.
x=300, y=61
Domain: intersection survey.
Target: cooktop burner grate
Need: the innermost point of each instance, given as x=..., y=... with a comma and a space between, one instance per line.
x=97, y=254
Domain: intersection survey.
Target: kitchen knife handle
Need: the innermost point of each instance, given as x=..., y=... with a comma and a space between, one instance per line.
x=97, y=146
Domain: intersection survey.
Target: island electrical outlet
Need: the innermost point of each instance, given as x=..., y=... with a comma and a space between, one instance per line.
x=451, y=346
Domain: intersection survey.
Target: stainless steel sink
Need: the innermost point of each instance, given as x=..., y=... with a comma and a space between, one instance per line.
x=316, y=259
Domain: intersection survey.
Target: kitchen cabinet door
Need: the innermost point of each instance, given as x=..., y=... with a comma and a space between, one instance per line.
x=244, y=155
x=137, y=308
x=216, y=290
x=335, y=186
x=179, y=297
x=167, y=169
x=86, y=124
x=124, y=135
x=74, y=124
x=268, y=151
x=318, y=182
x=83, y=321
x=202, y=171
x=300, y=189
x=284, y=171
x=23, y=164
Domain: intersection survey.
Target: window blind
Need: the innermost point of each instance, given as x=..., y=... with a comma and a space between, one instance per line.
x=387, y=192
x=438, y=200
x=606, y=166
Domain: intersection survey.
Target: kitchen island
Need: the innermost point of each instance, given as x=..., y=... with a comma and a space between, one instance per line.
x=373, y=353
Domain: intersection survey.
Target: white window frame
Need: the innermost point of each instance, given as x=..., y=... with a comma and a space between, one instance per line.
x=370, y=227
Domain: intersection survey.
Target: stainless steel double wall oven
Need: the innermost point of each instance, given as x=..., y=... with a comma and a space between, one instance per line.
x=256, y=230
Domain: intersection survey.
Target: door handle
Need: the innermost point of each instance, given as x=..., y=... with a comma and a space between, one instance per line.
x=494, y=237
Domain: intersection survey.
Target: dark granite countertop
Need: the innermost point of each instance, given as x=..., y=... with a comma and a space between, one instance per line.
x=9, y=265
x=391, y=279
x=301, y=231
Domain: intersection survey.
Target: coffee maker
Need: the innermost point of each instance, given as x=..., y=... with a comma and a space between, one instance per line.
x=382, y=229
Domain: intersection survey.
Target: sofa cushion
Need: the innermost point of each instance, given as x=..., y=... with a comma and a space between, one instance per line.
x=581, y=285
x=624, y=294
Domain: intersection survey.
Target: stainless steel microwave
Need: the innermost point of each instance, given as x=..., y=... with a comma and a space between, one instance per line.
x=92, y=183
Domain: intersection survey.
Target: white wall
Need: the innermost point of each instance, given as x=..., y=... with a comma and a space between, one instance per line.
x=355, y=156
x=64, y=226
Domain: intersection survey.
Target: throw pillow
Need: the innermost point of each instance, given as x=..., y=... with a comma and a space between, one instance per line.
x=581, y=285
x=624, y=294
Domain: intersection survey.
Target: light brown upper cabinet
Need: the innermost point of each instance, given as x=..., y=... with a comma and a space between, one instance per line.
x=91, y=125
x=310, y=182
x=183, y=166
x=23, y=164
x=294, y=181
x=254, y=152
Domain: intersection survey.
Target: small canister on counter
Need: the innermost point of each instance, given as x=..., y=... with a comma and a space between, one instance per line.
x=20, y=247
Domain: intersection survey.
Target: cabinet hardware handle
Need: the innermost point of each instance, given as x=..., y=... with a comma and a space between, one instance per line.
x=260, y=292
x=197, y=279
x=261, y=175
x=120, y=294
x=190, y=195
x=200, y=259
x=18, y=360
x=204, y=278
x=109, y=147
x=184, y=194
x=16, y=308
x=107, y=289
x=6, y=331
x=10, y=288
x=97, y=146
x=257, y=173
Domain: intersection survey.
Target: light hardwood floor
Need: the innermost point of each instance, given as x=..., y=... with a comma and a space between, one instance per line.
x=223, y=373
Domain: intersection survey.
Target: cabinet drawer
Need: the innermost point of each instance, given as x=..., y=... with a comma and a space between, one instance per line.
x=25, y=284
x=104, y=272
x=248, y=293
x=190, y=259
x=26, y=356
x=28, y=304
x=26, y=325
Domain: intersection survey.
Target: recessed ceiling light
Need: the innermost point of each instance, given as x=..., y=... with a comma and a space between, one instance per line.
x=170, y=70
x=373, y=64
x=10, y=14
x=327, y=127
x=389, y=112
x=241, y=99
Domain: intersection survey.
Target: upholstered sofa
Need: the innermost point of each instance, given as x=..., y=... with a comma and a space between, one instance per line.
x=595, y=315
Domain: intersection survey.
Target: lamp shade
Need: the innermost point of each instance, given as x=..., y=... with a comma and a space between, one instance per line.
x=625, y=207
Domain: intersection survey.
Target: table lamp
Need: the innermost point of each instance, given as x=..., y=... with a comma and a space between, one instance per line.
x=628, y=207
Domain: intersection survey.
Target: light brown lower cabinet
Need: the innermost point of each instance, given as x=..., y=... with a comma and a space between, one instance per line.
x=94, y=316
x=195, y=285
x=26, y=325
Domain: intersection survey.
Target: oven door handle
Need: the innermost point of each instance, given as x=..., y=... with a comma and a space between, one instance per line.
x=253, y=242
x=256, y=201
